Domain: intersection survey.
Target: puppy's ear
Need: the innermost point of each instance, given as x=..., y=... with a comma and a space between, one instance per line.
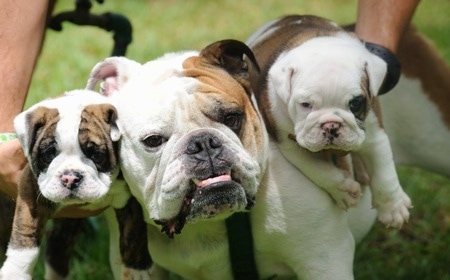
x=280, y=81
x=229, y=55
x=114, y=72
x=111, y=117
x=23, y=130
x=30, y=122
x=376, y=70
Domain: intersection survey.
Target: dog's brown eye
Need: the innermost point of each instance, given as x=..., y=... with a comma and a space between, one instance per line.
x=357, y=104
x=153, y=141
x=233, y=121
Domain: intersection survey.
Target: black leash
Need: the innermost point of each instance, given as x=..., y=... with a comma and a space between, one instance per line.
x=240, y=241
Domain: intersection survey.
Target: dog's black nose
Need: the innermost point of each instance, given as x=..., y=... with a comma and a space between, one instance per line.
x=71, y=179
x=204, y=145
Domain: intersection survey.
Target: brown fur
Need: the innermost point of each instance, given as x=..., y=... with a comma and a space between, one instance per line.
x=31, y=214
x=133, y=237
x=95, y=128
x=418, y=56
x=234, y=79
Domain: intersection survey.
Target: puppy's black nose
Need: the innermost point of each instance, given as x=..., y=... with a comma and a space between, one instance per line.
x=204, y=145
x=71, y=179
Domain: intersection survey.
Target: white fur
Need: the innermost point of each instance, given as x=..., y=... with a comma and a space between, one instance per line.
x=326, y=73
x=418, y=134
x=97, y=188
x=298, y=230
x=19, y=263
x=71, y=157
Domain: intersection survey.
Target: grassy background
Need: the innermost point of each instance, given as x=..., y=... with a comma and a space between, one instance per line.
x=419, y=251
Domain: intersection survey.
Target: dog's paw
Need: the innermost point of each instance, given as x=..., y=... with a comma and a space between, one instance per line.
x=347, y=194
x=394, y=213
x=135, y=274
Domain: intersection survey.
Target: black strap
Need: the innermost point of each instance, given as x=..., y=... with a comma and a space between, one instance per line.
x=240, y=240
x=394, y=68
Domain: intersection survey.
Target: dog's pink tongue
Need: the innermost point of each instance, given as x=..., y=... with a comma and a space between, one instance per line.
x=209, y=181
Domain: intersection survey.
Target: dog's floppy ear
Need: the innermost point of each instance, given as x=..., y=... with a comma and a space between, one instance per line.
x=280, y=80
x=110, y=114
x=376, y=71
x=114, y=72
x=24, y=131
x=229, y=55
x=28, y=124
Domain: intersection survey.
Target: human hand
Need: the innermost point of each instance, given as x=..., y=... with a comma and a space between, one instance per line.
x=12, y=162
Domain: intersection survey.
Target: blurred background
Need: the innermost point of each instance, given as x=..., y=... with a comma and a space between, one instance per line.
x=420, y=250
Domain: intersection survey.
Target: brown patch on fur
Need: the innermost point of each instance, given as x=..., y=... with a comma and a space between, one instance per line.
x=31, y=214
x=41, y=129
x=60, y=244
x=360, y=171
x=226, y=88
x=133, y=236
x=420, y=59
x=339, y=159
x=373, y=102
x=94, y=134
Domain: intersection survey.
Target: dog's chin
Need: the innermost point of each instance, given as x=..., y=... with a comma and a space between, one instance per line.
x=335, y=146
x=65, y=196
x=215, y=201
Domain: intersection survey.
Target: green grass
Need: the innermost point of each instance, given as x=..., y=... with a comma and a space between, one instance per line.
x=419, y=251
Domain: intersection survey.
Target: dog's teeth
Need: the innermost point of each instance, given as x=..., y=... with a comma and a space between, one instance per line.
x=196, y=181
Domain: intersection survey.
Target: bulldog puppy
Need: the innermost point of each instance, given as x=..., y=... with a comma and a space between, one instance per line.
x=196, y=155
x=71, y=143
x=317, y=92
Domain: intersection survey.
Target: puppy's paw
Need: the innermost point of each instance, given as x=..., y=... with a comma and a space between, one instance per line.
x=394, y=213
x=129, y=273
x=347, y=194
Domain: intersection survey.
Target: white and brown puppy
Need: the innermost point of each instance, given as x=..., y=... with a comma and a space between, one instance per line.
x=71, y=143
x=317, y=91
x=195, y=152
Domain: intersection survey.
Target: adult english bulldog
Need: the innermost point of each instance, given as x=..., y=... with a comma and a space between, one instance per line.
x=416, y=114
x=196, y=155
x=318, y=93
x=71, y=143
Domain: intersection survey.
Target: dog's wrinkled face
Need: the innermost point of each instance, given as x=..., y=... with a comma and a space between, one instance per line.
x=70, y=144
x=193, y=144
x=327, y=91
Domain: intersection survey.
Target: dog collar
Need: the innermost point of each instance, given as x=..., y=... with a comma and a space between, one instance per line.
x=5, y=137
x=393, y=65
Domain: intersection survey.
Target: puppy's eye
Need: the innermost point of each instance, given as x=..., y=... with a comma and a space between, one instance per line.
x=48, y=154
x=98, y=157
x=357, y=104
x=154, y=141
x=233, y=121
x=306, y=105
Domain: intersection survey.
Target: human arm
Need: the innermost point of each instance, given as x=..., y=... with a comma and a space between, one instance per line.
x=383, y=22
